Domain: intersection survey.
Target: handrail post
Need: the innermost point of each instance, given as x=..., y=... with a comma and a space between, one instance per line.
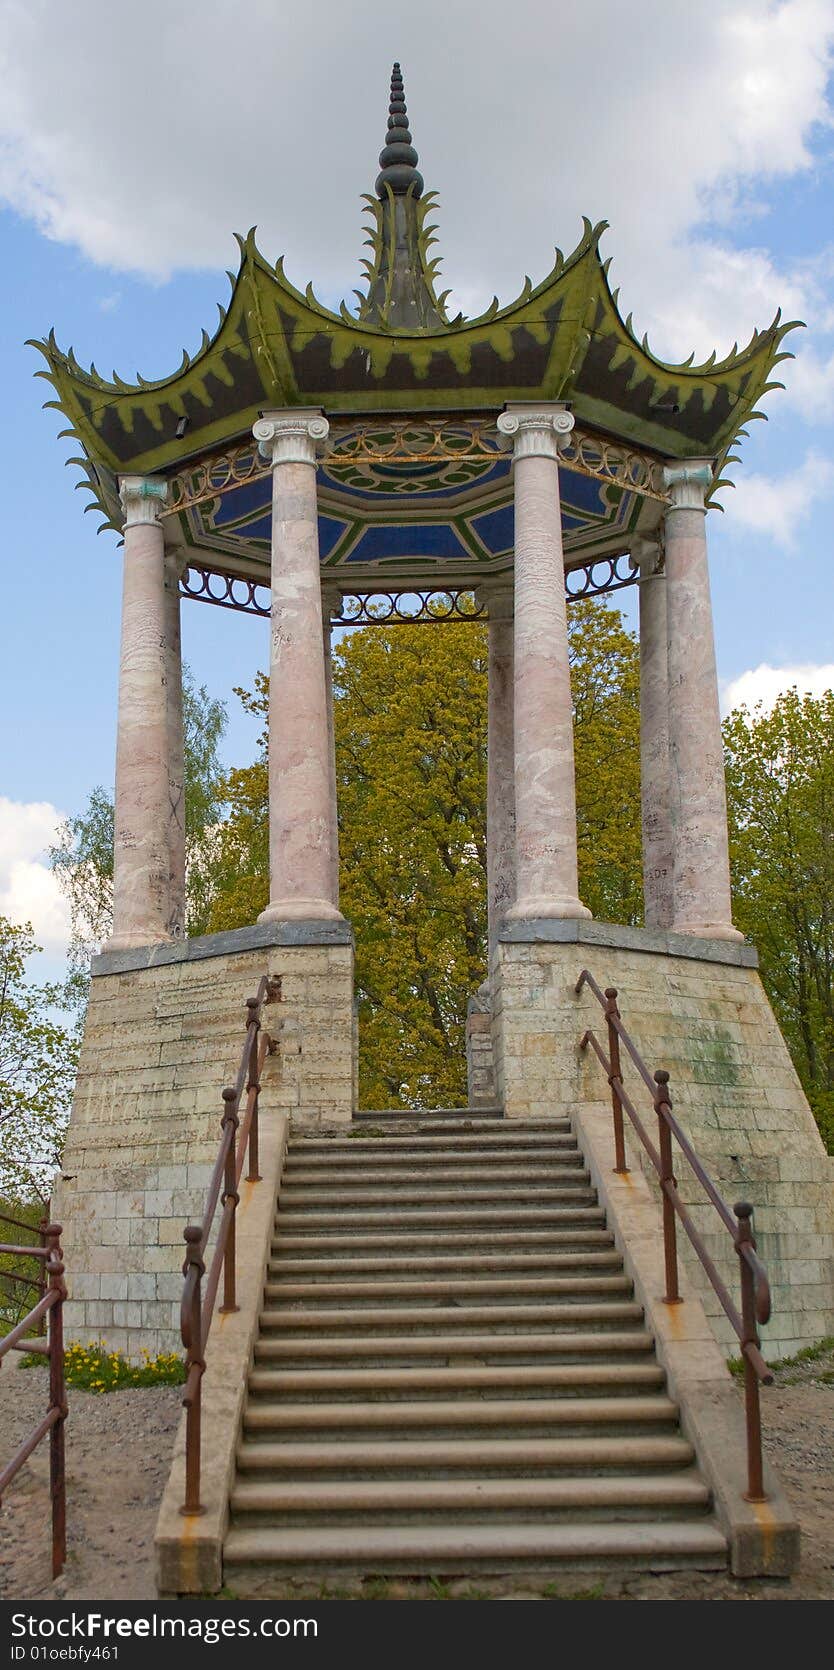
x=615, y=1078
x=755, y=1491
x=57, y=1396
x=194, y=1360
x=663, y=1106
x=230, y=1117
x=253, y=1087
x=41, y=1284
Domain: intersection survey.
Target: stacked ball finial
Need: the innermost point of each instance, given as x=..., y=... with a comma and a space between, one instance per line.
x=398, y=158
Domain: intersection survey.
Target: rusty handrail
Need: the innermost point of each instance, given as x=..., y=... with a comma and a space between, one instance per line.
x=755, y=1287
x=237, y=1140
x=38, y=1282
x=50, y=1305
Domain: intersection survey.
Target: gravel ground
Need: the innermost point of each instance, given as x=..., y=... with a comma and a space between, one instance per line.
x=118, y=1449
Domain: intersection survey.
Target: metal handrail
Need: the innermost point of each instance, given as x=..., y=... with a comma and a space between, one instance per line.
x=755, y=1287
x=51, y=1305
x=197, y=1308
x=38, y=1282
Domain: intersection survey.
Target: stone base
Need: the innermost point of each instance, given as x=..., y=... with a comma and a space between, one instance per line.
x=164, y=1033
x=698, y=1008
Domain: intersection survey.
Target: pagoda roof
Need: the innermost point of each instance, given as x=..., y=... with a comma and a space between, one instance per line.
x=562, y=339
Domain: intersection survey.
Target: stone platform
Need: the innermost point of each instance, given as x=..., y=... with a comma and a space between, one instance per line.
x=697, y=1008
x=164, y=1032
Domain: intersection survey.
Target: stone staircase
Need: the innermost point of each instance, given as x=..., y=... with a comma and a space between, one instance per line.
x=452, y=1374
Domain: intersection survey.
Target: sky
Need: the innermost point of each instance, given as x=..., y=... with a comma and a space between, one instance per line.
x=130, y=156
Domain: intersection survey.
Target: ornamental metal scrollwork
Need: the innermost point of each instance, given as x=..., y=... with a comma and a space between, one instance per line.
x=382, y=607
x=472, y=444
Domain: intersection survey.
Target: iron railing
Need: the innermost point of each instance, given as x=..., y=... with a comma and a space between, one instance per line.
x=53, y=1292
x=197, y=1306
x=37, y=1281
x=755, y=1288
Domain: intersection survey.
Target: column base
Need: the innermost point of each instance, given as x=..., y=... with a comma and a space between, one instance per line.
x=530, y=910
x=135, y=940
x=306, y=910
x=707, y=930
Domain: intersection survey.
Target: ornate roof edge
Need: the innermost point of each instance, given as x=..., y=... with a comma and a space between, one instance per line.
x=241, y=330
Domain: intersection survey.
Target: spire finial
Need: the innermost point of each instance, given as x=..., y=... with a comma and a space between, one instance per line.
x=398, y=158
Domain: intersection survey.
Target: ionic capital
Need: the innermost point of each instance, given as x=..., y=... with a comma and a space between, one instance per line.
x=647, y=554
x=142, y=498
x=536, y=431
x=496, y=597
x=291, y=437
x=687, y=483
x=332, y=603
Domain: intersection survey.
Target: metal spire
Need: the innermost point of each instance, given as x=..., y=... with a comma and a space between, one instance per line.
x=398, y=158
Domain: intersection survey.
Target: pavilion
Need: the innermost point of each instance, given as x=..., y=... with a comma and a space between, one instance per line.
x=393, y=462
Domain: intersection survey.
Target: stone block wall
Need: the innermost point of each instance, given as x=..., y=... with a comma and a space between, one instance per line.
x=480, y=1065
x=163, y=1034
x=697, y=1008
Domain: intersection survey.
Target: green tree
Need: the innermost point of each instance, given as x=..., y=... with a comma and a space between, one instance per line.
x=411, y=740
x=605, y=680
x=38, y=1059
x=82, y=856
x=780, y=790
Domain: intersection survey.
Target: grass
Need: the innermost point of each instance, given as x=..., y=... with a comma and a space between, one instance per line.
x=92, y=1368
x=808, y=1354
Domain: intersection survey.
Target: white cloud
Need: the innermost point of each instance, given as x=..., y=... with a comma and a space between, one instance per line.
x=809, y=386
x=776, y=507
x=147, y=153
x=29, y=891
x=764, y=684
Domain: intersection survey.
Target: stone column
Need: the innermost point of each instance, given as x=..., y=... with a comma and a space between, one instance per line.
x=141, y=878
x=500, y=825
x=701, y=897
x=300, y=818
x=331, y=602
x=545, y=790
x=654, y=737
x=176, y=752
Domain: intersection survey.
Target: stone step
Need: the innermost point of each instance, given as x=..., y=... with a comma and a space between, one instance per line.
x=337, y=1269
x=410, y=1318
x=450, y=1217
x=468, y=1382
x=451, y=1116
x=653, y=1412
x=662, y=1493
x=327, y=1294
x=475, y=1548
x=457, y=1458
x=303, y=1350
x=562, y=1167
x=423, y=1150
x=480, y=1242
x=575, y=1190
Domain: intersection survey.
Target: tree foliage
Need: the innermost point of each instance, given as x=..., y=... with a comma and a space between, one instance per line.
x=82, y=856
x=780, y=788
x=411, y=744
x=38, y=1059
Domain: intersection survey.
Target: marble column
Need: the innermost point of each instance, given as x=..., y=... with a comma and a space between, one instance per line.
x=176, y=750
x=500, y=825
x=545, y=789
x=300, y=816
x=654, y=737
x=141, y=877
x=331, y=603
x=701, y=884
